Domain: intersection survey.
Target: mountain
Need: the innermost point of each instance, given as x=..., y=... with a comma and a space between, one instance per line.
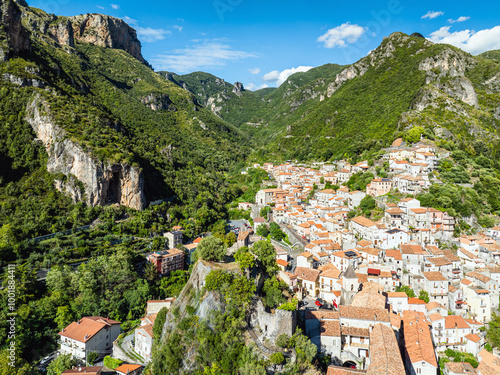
x=102, y=122
x=491, y=55
x=332, y=111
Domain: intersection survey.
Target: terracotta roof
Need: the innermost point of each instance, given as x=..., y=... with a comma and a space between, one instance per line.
x=307, y=274
x=415, y=301
x=364, y=243
x=148, y=328
x=396, y=254
x=329, y=328
x=466, y=282
x=86, y=328
x=337, y=370
x=397, y=142
x=306, y=254
x=439, y=261
x=434, y=250
x=259, y=220
x=355, y=331
x=282, y=262
x=434, y=276
x=127, y=367
x=243, y=235
x=451, y=257
x=333, y=273
x=490, y=364
x=417, y=340
x=412, y=249
x=384, y=352
x=473, y=337
x=432, y=305
x=363, y=221
x=322, y=315
x=364, y=313
x=397, y=295
x=435, y=316
x=478, y=276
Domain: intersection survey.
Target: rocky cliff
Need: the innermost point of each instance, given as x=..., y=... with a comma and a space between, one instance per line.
x=14, y=38
x=103, y=183
x=106, y=31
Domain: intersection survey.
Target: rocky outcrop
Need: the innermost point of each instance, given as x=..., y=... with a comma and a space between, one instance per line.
x=62, y=33
x=447, y=72
x=106, y=31
x=158, y=102
x=103, y=183
x=15, y=35
x=238, y=88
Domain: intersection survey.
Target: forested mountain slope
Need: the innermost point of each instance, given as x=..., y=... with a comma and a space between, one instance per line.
x=80, y=101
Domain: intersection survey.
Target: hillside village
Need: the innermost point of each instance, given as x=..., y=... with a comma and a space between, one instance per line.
x=382, y=296
x=361, y=268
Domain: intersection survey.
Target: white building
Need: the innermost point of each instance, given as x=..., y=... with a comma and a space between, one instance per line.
x=89, y=334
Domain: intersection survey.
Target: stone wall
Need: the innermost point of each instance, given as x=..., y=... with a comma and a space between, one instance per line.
x=272, y=325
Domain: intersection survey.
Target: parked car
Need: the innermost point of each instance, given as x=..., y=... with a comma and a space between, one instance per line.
x=319, y=302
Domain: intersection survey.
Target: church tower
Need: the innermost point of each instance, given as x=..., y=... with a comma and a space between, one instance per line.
x=350, y=286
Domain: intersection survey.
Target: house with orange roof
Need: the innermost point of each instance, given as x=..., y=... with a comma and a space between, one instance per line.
x=89, y=334
x=129, y=369
x=473, y=344
x=144, y=341
x=398, y=301
x=364, y=228
x=489, y=363
x=478, y=301
x=379, y=186
x=329, y=284
x=419, y=354
x=305, y=259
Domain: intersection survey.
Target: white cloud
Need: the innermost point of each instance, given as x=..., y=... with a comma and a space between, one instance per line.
x=432, y=14
x=100, y=7
x=278, y=77
x=178, y=27
x=205, y=54
x=252, y=86
x=468, y=40
x=340, y=35
x=459, y=19
x=150, y=35
x=254, y=71
x=115, y=6
x=130, y=21
x=147, y=34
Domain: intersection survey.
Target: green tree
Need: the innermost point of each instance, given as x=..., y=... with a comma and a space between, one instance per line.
x=211, y=249
x=424, y=296
x=92, y=357
x=493, y=333
x=367, y=204
x=404, y=288
x=276, y=232
x=230, y=239
x=62, y=363
x=273, y=291
x=277, y=358
x=262, y=230
x=64, y=317
x=245, y=259
x=413, y=135
x=266, y=256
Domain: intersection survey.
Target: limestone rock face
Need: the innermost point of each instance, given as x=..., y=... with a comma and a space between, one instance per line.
x=103, y=183
x=238, y=88
x=63, y=33
x=16, y=35
x=106, y=31
x=159, y=102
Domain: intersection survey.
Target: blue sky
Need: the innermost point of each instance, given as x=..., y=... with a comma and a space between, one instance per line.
x=260, y=43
